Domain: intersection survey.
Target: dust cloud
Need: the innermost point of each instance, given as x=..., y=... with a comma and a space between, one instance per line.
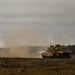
x=23, y=43
x=16, y=36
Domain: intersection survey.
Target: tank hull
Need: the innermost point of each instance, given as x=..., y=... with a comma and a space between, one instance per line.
x=62, y=55
x=55, y=57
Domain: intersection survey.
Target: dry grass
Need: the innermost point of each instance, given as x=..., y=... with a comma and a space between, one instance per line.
x=24, y=66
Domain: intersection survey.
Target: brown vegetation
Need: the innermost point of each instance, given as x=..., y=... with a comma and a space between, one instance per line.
x=25, y=66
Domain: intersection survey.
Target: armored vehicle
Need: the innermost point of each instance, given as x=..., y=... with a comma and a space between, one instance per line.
x=57, y=51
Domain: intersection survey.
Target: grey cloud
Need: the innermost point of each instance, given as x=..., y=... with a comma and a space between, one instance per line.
x=47, y=17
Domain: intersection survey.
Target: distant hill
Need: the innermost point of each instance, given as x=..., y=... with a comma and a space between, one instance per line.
x=72, y=47
x=27, y=51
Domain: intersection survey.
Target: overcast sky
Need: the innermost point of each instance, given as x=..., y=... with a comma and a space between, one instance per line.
x=50, y=21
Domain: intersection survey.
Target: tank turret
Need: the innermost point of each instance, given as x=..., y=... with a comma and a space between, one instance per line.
x=57, y=51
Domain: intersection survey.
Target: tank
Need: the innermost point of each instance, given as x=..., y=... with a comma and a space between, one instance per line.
x=57, y=51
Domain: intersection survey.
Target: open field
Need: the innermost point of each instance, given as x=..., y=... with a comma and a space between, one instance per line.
x=36, y=66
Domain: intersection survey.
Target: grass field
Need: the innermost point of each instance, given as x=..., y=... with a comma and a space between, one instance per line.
x=36, y=66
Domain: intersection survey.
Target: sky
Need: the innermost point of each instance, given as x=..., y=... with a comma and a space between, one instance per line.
x=37, y=22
